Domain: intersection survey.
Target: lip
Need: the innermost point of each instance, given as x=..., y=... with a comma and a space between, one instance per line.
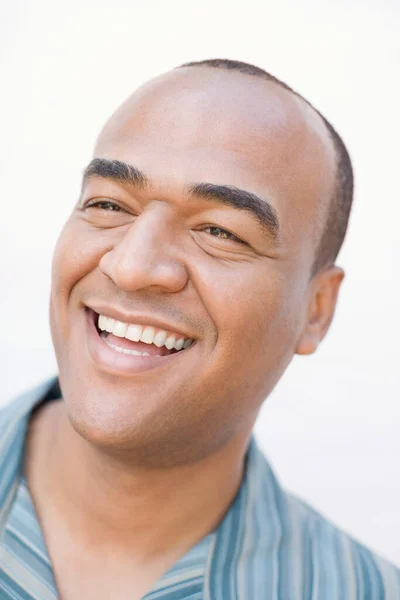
x=116, y=363
x=118, y=315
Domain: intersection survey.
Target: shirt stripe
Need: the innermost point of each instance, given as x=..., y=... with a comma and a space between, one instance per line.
x=269, y=546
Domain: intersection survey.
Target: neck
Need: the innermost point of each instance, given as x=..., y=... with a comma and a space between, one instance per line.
x=106, y=501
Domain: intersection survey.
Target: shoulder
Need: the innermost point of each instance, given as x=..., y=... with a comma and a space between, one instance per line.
x=14, y=419
x=14, y=413
x=336, y=561
x=22, y=405
x=312, y=557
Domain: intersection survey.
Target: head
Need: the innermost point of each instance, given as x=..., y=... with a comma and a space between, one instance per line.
x=215, y=206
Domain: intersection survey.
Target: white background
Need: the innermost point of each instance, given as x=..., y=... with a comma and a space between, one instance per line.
x=331, y=428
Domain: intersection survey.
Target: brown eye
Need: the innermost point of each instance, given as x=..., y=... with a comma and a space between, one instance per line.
x=223, y=234
x=104, y=205
x=105, y=213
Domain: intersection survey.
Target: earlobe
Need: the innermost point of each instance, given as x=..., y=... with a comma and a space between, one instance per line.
x=322, y=303
x=308, y=343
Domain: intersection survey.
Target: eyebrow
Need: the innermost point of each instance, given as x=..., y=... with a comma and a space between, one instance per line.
x=116, y=171
x=228, y=195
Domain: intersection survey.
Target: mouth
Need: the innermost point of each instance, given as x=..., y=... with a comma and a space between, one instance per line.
x=128, y=347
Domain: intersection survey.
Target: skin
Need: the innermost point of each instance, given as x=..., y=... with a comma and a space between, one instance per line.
x=140, y=441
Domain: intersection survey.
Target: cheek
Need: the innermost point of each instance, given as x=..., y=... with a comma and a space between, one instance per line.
x=255, y=308
x=251, y=299
x=77, y=253
x=254, y=311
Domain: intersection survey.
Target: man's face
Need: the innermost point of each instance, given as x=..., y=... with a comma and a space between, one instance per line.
x=173, y=254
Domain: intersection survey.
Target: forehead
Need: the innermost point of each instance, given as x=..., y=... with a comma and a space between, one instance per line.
x=202, y=124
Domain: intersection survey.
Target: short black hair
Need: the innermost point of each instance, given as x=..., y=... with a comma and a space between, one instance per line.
x=342, y=197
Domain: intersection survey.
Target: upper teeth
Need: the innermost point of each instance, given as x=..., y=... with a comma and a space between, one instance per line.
x=146, y=334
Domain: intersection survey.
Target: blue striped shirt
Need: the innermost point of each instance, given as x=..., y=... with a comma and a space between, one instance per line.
x=269, y=546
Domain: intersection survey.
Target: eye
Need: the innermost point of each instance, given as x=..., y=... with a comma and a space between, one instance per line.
x=223, y=234
x=106, y=205
x=106, y=213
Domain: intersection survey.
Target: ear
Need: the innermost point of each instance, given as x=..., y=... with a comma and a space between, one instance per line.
x=321, y=308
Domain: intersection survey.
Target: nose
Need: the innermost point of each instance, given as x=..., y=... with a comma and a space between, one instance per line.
x=147, y=256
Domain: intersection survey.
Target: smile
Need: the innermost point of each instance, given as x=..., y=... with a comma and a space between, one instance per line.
x=139, y=333
x=121, y=347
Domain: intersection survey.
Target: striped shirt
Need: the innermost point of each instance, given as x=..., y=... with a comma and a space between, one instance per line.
x=269, y=546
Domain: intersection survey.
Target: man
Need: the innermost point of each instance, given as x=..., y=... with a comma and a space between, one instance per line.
x=199, y=258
